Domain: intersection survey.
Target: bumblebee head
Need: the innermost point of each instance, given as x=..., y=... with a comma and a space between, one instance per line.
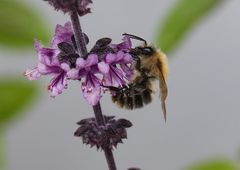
x=148, y=50
x=141, y=50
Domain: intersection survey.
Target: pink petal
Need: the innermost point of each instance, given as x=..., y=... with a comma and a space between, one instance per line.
x=93, y=96
x=103, y=67
x=128, y=71
x=43, y=69
x=120, y=55
x=65, y=67
x=117, y=78
x=114, y=78
x=68, y=26
x=46, y=56
x=110, y=58
x=62, y=34
x=127, y=58
x=37, y=45
x=73, y=74
x=32, y=74
x=91, y=60
x=55, y=92
x=107, y=80
x=80, y=63
x=57, y=85
x=127, y=41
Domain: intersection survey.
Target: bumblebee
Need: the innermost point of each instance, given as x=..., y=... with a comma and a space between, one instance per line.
x=150, y=65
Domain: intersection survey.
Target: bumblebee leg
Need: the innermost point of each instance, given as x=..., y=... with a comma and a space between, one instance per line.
x=147, y=96
x=138, y=65
x=138, y=101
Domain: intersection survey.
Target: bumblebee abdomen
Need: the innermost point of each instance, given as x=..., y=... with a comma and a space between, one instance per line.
x=119, y=99
x=135, y=96
x=138, y=101
x=147, y=96
x=130, y=102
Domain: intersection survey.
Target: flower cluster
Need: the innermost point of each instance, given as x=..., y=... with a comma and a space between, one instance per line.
x=68, y=5
x=97, y=70
x=103, y=136
x=49, y=63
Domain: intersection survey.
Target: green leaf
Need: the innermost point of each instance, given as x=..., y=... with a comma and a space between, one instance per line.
x=15, y=95
x=2, y=152
x=20, y=24
x=217, y=164
x=180, y=20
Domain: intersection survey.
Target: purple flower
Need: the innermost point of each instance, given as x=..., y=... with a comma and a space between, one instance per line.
x=116, y=69
x=62, y=34
x=88, y=70
x=48, y=61
x=32, y=74
x=125, y=46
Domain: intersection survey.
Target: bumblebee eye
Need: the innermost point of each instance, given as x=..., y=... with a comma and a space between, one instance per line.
x=147, y=50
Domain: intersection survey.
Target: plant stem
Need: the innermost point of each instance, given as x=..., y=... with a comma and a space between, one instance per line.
x=82, y=49
x=78, y=34
x=98, y=114
x=108, y=152
x=110, y=159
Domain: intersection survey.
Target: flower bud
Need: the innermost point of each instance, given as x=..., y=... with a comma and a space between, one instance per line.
x=103, y=136
x=70, y=5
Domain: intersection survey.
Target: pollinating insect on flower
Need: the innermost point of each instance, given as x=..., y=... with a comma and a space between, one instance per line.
x=126, y=72
x=150, y=65
x=95, y=71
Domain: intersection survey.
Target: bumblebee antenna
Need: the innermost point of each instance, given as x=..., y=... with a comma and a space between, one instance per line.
x=135, y=37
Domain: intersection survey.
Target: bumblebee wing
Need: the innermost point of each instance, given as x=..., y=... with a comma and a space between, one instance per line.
x=163, y=91
x=163, y=94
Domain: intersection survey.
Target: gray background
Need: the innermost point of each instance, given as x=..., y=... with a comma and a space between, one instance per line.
x=203, y=102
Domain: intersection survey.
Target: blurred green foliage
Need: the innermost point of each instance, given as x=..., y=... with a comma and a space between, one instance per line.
x=15, y=95
x=20, y=24
x=180, y=20
x=2, y=152
x=216, y=164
